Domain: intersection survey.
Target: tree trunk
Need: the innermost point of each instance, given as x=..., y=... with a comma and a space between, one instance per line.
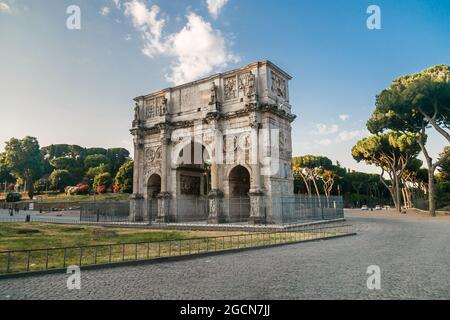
x=397, y=194
x=431, y=203
x=30, y=188
x=317, y=191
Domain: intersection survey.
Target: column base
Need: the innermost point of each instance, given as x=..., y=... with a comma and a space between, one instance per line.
x=257, y=205
x=136, y=208
x=215, y=199
x=163, y=207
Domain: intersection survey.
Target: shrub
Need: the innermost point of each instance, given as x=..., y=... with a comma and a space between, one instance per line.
x=95, y=160
x=13, y=197
x=102, y=180
x=81, y=188
x=124, y=177
x=60, y=179
x=101, y=189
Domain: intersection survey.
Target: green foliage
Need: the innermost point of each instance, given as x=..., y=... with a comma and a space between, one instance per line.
x=312, y=162
x=383, y=149
x=41, y=184
x=60, y=179
x=414, y=101
x=13, y=197
x=5, y=174
x=24, y=160
x=117, y=157
x=103, y=179
x=93, y=151
x=444, y=167
x=92, y=172
x=62, y=151
x=95, y=160
x=63, y=163
x=124, y=177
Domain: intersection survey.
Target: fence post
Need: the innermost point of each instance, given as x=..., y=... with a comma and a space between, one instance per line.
x=8, y=261
x=65, y=257
x=28, y=261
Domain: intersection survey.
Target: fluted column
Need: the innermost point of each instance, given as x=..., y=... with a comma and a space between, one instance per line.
x=164, y=196
x=256, y=193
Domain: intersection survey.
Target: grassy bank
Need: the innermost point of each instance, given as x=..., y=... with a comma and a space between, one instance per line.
x=21, y=236
x=120, y=245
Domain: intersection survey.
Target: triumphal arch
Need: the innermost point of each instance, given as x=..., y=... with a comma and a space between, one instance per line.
x=216, y=150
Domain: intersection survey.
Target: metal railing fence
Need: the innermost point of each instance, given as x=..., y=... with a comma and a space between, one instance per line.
x=20, y=261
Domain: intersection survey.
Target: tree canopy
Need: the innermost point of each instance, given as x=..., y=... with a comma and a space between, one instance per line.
x=23, y=159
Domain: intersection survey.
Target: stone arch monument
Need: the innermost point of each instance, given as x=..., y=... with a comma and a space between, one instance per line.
x=202, y=137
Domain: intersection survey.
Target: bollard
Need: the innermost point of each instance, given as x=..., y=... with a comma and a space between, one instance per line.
x=27, y=218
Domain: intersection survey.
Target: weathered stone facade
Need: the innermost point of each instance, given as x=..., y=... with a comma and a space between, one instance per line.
x=236, y=119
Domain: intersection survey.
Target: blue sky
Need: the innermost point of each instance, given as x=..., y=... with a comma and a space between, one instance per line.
x=76, y=86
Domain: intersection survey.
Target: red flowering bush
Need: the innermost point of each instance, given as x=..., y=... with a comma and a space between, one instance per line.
x=101, y=189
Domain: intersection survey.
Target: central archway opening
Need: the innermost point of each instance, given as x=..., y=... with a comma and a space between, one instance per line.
x=193, y=183
x=239, y=187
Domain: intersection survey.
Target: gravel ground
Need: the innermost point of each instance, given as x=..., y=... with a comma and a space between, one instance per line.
x=412, y=252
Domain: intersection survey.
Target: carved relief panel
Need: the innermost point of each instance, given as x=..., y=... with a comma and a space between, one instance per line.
x=190, y=185
x=278, y=85
x=156, y=107
x=247, y=84
x=230, y=88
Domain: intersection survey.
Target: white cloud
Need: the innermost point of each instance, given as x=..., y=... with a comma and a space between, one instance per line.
x=5, y=7
x=350, y=135
x=215, y=6
x=105, y=11
x=344, y=117
x=128, y=37
x=197, y=49
x=323, y=129
x=325, y=142
x=147, y=22
x=116, y=3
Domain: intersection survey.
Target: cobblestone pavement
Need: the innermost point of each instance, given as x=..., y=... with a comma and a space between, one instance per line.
x=413, y=254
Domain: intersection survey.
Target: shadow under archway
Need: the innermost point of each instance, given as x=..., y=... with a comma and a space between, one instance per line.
x=239, y=200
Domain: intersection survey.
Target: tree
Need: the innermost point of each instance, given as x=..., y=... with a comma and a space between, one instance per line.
x=409, y=180
x=62, y=151
x=415, y=103
x=328, y=177
x=102, y=182
x=124, y=177
x=444, y=167
x=63, y=163
x=307, y=168
x=117, y=157
x=60, y=179
x=391, y=152
x=24, y=160
x=95, y=160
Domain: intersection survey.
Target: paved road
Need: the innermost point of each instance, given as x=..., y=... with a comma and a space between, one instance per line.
x=413, y=254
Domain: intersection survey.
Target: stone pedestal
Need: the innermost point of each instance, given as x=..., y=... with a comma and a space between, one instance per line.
x=163, y=207
x=215, y=199
x=257, y=204
x=136, y=208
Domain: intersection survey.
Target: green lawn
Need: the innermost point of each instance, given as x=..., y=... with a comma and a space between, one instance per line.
x=20, y=236
x=120, y=244
x=62, y=197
